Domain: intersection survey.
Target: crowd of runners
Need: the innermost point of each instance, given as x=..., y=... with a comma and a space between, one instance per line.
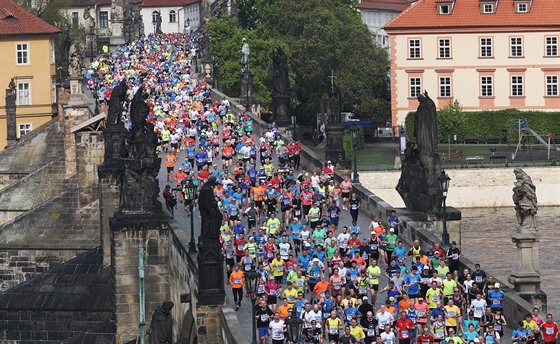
x=348, y=284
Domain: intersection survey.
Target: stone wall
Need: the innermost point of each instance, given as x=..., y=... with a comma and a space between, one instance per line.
x=89, y=155
x=475, y=187
x=17, y=266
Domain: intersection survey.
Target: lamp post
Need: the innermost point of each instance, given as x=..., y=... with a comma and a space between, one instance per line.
x=444, y=179
x=190, y=195
x=293, y=101
x=96, y=91
x=251, y=285
x=295, y=328
x=246, y=76
x=354, y=130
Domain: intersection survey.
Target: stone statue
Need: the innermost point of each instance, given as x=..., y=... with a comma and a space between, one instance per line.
x=244, y=55
x=118, y=96
x=525, y=199
x=425, y=126
x=158, y=23
x=210, y=212
x=76, y=65
x=161, y=326
x=280, y=81
x=89, y=22
x=138, y=21
x=139, y=111
x=66, y=43
x=11, y=94
x=421, y=166
x=333, y=110
x=117, y=10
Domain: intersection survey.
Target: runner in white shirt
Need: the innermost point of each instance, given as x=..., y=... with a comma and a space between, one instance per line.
x=388, y=336
x=277, y=328
x=383, y=318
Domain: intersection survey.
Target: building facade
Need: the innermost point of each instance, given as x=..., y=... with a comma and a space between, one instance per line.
x=177, y=16
x=486, y=54
x=377, y=13
x=27, y=54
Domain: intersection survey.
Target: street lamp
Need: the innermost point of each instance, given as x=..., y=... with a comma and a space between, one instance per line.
x=355, y=130
x=293, y=101
x=295, y=328
x=190, y=192
x=96, y=91
x=444, y=179
x=251, y=285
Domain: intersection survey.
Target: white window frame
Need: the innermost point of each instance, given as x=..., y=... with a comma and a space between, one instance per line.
x=172, y=16
x=154, y=16
x=445, y=87
x=486, y=86
x=551, y=45
x=414, y=48
x=486, y=45
x=551, y=85
x=24, y=53
x=414, y=86
x=517, y=86
x=22, y=88
x=104, y=24
x=51, y=51
x=53, y=91
x=443, y=48
x=24, y=128
x=487, y=8
x=516, y=46
x=519, y=7
x=442, y=7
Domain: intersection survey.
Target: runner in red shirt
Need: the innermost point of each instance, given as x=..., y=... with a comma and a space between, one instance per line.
x=425, y=337
x=405, y=327
x=549, y=330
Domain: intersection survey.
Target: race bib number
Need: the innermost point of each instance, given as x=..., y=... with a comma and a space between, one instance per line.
x=370, y=332
x=404, y=334
x=237, y=280
x=495, y=302
x=334, y=330
x=549, y=331
x=264, y=317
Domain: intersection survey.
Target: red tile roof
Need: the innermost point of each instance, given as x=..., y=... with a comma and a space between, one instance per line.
x=17, y=21
x=166, y=3
x=466, y=13
x=89, y=3
x=390, y=5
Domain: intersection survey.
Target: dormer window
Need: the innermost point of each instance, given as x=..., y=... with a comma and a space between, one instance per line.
x=522, y=7
x=487, y=8
x=444, y=9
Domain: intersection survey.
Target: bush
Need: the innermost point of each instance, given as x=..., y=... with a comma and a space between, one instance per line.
x=491, y=123
x=348, y=144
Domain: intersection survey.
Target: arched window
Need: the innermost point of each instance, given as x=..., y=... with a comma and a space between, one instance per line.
x=155, y=16
x=172, y=16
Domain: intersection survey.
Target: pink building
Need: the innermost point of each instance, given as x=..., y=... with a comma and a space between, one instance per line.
x=486, y=54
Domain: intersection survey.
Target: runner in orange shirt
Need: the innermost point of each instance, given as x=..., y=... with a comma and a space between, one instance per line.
x=237, y=279
x=170, y=159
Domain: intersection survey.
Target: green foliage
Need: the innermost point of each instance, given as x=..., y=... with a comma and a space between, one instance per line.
x=333, y=39
x=348, y=142
x=490, y=123
x=449, y=118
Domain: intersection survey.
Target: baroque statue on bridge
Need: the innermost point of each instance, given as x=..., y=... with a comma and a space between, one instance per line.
x=245, y=51
x=116, y=108
x=210, y=211
x=525, y=199
x=161, y=326
x=418, y=184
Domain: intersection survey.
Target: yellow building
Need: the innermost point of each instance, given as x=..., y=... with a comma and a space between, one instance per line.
x=27, y=54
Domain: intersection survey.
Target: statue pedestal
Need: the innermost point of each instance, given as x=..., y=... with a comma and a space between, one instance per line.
x=526, y=277
x=334, y=150
x=211, y=289
x=75, y=88
x=246, y=87
x=117, y=37
x=280, y=108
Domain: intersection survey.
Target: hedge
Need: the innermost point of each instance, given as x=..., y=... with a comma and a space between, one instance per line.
x=488, y=123
x=348, y=143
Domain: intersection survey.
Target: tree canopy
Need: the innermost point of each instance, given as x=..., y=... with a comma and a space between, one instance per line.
x=319, y=37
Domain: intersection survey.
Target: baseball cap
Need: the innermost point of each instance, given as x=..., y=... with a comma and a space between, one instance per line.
x=391, y=230
x=365, y=298
x=391, y=299
x=497, y=285
x=426, y=267
x=251, y=238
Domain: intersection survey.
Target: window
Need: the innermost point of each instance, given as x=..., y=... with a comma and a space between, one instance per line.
x=552, y=85
x=172, y=17
x=522, y=8
x=444, y=9
x=24, y=128
x=444, y=48
x=23, y=94
x=445, y=86
x=155, y=15
x=486, y=89
x=415, y=87
x=53, y=91
x=414, y=49
x=103, y=19
x=517, y=85
x=486, y=47
x=22, y=53
x=75, y=20
x=552, y=46
x=516, y=46
x=487, y=8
